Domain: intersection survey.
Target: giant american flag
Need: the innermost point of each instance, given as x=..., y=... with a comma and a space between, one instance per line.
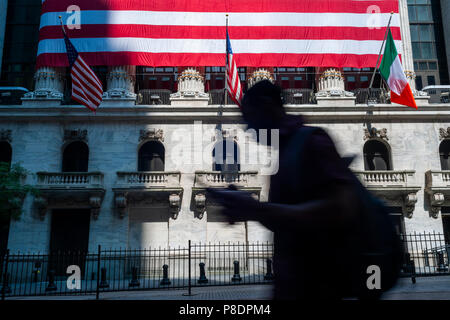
x=296, y=33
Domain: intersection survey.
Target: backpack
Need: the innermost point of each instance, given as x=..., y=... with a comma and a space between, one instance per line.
x=374, y=241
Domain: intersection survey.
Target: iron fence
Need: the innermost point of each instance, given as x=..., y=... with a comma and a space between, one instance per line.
x=196, y=265
x=144, y=269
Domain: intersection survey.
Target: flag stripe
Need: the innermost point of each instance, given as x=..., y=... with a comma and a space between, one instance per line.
x=228, y=6
x=196, y=32
x=209, y=19
x=86, y=77
x=213, y=59
x=213, y=46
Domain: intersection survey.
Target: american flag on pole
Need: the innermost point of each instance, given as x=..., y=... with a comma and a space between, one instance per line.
x=233, y=82
x=87, y=89
x=173, y=33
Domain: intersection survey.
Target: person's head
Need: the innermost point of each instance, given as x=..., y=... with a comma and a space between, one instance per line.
x=262, y=106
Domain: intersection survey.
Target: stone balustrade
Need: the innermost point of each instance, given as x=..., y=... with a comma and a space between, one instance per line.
x=385, y=178
x=220, y=179
x=70, y=180
x=148, y=179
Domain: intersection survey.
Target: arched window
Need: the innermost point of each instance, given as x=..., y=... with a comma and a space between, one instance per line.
x=226, y=156
x=444, y=154
x=76, y=157
x=376, y=156
x=5, y=152
x=151, y=156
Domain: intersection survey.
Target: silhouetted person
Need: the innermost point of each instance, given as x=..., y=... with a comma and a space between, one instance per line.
x=313, y=206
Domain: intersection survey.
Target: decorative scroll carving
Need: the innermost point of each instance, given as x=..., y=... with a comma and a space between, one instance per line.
x=174, y=205
x=152, y=134
x=95, y=201
x=437, y=201
x=259, y=75
x=190, y=85
x=121, y=204
x=6, y=135
x=409, y=205
x=76, y=135
x=375, y=133
x=200, y=205
x=331, y=84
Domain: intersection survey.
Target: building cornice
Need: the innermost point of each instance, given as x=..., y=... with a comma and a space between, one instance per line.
x=231, y=114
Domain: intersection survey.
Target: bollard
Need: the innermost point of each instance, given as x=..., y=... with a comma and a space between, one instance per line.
x=236, y=276
x=5, y=288
x=165, y=280
x=441, y=262
x=103, y=283
x=269, y=274
x=134, y=279
x=202, y=278
x=51, y=282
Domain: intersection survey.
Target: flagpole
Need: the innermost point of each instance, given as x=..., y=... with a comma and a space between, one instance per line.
x=381, y=51
x=226, y=63
x=62, y=25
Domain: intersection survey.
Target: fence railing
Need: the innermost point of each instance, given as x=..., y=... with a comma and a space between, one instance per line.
x=426, y=254
x=183, y=267
x=144, y=269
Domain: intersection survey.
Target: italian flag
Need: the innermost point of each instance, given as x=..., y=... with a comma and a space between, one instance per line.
x=392, y=71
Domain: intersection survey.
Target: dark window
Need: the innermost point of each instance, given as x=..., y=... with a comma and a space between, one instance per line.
x=69, y=236
x=376, y=156
x=76, y=157
x=444, y=152
x=446, y=226
x=5, y=152
x=431, y=80
x=151, y=157
x=397, y=219
x=419, y=83
x=226, y=156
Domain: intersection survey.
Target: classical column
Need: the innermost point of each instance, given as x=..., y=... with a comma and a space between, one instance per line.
x=191, y=89
x=407, y=54
x=49, y=85
x=120, y=84
x=331, y=88
x=260, y=75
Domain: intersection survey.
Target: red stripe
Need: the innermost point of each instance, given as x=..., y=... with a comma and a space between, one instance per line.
x=95, y=92
x=197, y=32
x=82, y=103
x=201, y=59
x=352, y=6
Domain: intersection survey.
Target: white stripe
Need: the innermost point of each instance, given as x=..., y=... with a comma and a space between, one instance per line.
x=217, y=18
x=397, y=79
x=214, y=46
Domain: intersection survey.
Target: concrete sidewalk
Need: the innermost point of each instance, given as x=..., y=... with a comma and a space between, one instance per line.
x=432, y=288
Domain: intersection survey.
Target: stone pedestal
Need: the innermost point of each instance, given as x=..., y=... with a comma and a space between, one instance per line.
x=331, y=87
x=49, y=87
x=191, y=90
x=120, y=93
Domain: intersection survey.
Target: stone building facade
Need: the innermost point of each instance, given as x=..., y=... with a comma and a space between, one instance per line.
x=135, y=175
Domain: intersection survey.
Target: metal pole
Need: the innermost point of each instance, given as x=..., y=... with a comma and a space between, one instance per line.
x=226, y=64
x=5, y=275
x=189, y=269
x=381, y=50
x=97, y=294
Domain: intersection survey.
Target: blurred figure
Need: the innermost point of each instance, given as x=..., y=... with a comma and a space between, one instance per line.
x=314, y=205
